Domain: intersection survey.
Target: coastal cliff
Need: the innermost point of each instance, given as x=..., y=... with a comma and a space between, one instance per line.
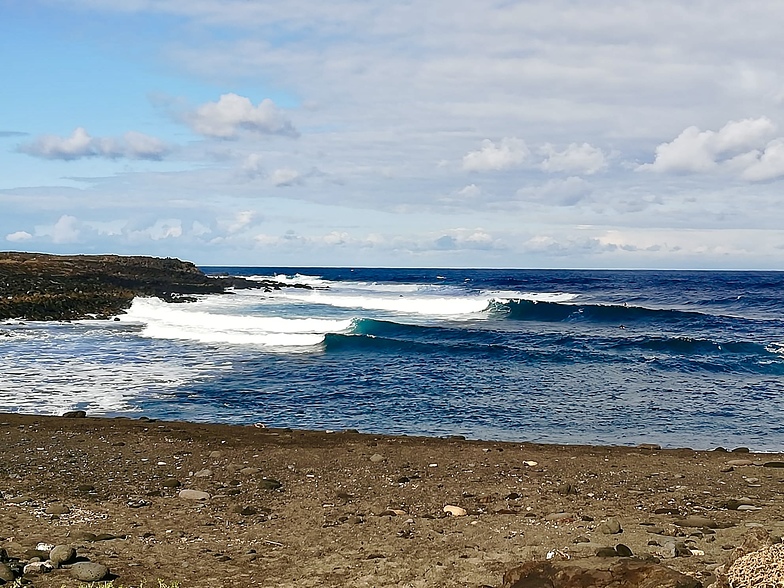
x=36, y=286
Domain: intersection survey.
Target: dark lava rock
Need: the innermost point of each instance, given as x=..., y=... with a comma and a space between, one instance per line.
x=773, y=464
x=623, y=574
x=623, y=550
x=36, y=286
x=269, y=484
x=74, y=414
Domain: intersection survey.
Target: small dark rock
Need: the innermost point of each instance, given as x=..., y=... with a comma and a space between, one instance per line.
x=741, y=450
x=74, y=414
x=623, y=550
x=269, y=484
x=606, y=552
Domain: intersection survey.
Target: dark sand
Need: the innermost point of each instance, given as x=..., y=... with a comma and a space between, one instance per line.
x=359, y=510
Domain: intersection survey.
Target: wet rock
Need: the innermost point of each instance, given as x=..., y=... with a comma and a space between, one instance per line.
x=62, y=554
x=87, y=571
x=189, y=494
x=773, y=464
x=626, y=573
x=623, y=550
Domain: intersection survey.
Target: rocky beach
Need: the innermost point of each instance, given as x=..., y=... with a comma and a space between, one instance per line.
x=214, y=505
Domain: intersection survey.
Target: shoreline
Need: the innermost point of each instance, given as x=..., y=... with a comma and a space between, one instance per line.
x=310, y=508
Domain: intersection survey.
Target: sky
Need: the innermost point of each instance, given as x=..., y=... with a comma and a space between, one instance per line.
x=419, y=133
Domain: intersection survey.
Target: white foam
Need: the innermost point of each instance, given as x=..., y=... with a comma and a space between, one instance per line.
x=411, y=305
x=506, y=296
x=162, y=320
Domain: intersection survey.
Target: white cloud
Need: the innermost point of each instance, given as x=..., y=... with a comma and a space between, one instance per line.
x=252, y=165
x=767, y=165
x=285, y=177
x=741, y=147
x=80, y=143
x=232, y=114
x=18, y=236
x=67, y=229
x=580, y=159
x=566, y=192
x=508, y=153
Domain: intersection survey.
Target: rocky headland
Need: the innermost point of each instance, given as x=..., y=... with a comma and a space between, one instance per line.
x=36, y=286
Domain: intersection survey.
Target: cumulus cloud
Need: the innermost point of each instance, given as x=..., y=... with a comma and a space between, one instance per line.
x=580, y=159
x=132, y=145
x=18, y=236
x=742, y=147
x=508, y=153
x=475, y=239
x=232, y=114
x=67, y=229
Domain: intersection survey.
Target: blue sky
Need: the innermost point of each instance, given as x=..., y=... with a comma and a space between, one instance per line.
x=562, y=133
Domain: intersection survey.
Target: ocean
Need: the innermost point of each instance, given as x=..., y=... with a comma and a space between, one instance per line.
x=677, y=358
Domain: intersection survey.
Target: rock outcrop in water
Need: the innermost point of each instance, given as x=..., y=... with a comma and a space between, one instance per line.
x=36, y=286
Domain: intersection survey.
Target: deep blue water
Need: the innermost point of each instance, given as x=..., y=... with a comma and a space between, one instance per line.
x=610, y=357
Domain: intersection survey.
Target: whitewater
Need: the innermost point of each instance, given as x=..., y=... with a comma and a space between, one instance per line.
x=603, y=357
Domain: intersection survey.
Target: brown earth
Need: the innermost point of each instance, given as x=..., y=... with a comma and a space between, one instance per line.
x=367, y=510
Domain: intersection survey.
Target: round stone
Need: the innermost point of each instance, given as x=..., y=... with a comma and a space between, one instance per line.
x=62, y=554
x=194, y=495
x=87, y=571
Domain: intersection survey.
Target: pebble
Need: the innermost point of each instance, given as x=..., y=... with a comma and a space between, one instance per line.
x=269, y=484
x=57, y=509
x=376, y=458
x=560, y=516
x=194, y=495
x=215, y=454
x=697, y=521
x=6, y=575
x=38, y=567
x=87, y=571
x=205, y=473
x=171, y=483
x=610, y=527
x=250, y=471
x=740, y=462
x=62, y=554
x=455, y=511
